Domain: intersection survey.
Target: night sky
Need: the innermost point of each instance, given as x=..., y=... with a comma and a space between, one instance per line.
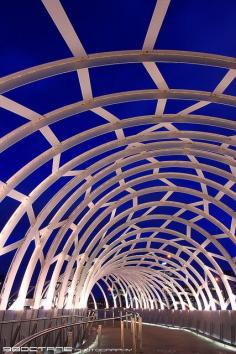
x=29, y=38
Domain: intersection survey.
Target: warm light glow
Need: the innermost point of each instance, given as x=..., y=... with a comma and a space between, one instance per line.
x=18, y=305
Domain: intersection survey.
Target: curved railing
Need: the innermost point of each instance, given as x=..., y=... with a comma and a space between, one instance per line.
x=70, y=337
x=78, y=333
x=24, y=324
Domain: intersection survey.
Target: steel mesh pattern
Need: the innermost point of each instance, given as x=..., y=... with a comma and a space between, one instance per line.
x=139, y=206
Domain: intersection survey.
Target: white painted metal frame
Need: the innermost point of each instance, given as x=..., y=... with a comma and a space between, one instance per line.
x=146, y=276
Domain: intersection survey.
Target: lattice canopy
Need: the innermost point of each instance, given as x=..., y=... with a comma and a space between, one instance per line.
x=118, y=154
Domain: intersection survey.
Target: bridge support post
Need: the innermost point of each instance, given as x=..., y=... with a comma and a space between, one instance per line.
x=140, y=334
x=122, y=335
x=99, y=332
x=70, y=339
x=133, y=330
x=126, y=320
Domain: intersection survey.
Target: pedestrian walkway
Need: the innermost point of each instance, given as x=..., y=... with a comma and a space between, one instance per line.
x=159, y=340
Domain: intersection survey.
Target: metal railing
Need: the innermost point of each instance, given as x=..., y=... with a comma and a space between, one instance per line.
x=76, y=328
x=219, y=326
x=71, y=335
x=14, y=330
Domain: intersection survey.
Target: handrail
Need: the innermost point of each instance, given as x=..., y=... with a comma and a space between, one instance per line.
x=39, y=319
x=56, y=317
x=24, y=341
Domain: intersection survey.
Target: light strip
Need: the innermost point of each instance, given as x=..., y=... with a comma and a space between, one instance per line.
x=215, y=341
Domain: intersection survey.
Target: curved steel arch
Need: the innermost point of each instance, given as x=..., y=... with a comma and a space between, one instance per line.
x=215, y=147
x=173, y=284
x=144, y=206
x=127, y=152
x=109, y=248
x=69, y=143
x=157, y=275
x=43, y=71
x=115, y=98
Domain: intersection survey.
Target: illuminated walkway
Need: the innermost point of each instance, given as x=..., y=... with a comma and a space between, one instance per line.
x=163, y=341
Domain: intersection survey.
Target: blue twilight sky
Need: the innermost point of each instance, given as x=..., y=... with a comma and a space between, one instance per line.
x=29, y=37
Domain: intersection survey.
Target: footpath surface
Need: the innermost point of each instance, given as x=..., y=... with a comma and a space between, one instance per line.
x=157, y=340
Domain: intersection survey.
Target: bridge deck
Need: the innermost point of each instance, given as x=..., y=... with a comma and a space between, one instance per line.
x=161, y=340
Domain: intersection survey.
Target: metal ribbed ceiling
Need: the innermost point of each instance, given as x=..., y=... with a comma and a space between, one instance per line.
x=118, y=154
